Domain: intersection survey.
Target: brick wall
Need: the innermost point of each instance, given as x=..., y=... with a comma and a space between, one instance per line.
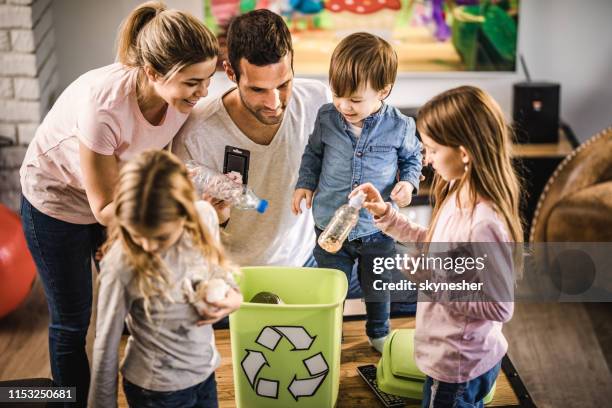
x=28, y=83
x=10, y=188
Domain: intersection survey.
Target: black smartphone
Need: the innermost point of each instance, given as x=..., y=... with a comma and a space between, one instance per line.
x=237, y=159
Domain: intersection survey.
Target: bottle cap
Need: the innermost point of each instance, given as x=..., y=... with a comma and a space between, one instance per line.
x=262, y=206
x=357, y=200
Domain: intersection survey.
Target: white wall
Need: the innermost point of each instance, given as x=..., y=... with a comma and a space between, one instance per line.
x=565, y=41
x=569, y=42
x=86, y=31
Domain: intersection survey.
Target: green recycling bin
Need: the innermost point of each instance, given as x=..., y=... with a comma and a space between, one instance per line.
x=288, y=355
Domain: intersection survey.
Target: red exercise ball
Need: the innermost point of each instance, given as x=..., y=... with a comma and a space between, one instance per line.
x=17, y=269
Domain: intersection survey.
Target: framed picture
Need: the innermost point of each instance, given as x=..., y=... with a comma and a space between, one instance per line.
x=428, y=35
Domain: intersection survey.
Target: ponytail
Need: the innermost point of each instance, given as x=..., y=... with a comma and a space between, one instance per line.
x=166, y=40
x=127, y=41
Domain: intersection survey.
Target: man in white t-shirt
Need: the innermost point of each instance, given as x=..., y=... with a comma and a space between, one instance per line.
x=271, y=115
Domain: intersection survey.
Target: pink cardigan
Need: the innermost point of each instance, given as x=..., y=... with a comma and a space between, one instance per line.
x=457, y=342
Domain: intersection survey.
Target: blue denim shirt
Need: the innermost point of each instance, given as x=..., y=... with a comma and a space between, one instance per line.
x=335, y=162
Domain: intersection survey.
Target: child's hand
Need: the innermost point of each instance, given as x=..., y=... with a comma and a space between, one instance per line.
x=402, y=193
x=215, y=311
x=373, y=201
x=298, y=195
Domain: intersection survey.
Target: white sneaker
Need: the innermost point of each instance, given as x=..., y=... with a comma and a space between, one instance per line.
x=378, y=343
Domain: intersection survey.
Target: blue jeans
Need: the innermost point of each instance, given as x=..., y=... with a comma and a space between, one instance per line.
x=364, y=250
x=62, y=252
x=311, y=262
x=202, y=395
x=470, y=394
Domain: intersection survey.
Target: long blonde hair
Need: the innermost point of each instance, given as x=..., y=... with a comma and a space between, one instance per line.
x=154, y=188
x=166, y=40
x=469, y=117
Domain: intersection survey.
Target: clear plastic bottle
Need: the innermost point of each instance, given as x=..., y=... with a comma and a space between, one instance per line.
x=341, y=224
x=218, y=185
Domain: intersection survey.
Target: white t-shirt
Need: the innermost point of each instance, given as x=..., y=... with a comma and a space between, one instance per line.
x=168, y=352
x=276, y=237
x=100, y=110
x=355, y=130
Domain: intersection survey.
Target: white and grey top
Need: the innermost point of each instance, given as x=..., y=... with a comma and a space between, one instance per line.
x=169, y=352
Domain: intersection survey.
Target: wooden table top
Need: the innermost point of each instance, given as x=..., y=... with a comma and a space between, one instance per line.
x=558, y=150
x=542, y=150
x=353, y=390
x=355, y=352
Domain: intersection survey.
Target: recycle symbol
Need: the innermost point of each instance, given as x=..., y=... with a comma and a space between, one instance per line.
x=269, y=337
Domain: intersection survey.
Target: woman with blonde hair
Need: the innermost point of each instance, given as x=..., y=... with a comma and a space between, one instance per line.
x=165, y=59
x=161, y=244
x=459, y=344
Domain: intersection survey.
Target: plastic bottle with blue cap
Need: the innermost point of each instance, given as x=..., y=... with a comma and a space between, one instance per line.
x=344, y=220
x=220, y=186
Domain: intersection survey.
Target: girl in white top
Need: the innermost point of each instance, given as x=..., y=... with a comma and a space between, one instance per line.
x=165, y=60
x=161, y=245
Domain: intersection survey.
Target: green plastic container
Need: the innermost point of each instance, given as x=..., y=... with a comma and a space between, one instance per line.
x=288, y=355
x=397, y=372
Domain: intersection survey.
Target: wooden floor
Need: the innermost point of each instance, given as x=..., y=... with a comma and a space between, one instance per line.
x=556, y=350
x=555, y=347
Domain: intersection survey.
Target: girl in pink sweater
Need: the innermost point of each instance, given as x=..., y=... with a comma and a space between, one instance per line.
x=459, y=345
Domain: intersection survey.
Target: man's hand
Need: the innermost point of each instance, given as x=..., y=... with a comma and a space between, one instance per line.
x=213, y=312
x=373, y=201
x=402, y=193
x=298, y=195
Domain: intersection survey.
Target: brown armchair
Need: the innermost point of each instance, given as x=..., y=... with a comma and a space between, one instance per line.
x=575, y=207
x=576, y=203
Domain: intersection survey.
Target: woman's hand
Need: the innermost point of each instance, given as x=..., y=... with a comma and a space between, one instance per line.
x=373, y=201
x=215, y=311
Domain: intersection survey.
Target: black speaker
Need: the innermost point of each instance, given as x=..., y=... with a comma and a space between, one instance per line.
x=536, y=112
